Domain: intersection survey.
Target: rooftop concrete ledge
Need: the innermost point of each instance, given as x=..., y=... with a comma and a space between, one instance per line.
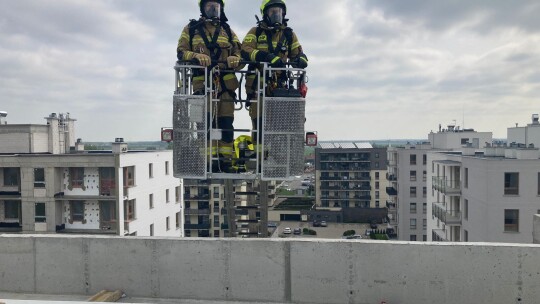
x=277, y=270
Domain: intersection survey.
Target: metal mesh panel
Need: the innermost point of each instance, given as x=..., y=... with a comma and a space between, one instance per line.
x=283, y=137
x=189, y=126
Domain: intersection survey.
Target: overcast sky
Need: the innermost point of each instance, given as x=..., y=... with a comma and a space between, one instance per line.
x=378, y=69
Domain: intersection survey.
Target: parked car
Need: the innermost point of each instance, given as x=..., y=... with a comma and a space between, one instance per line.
x=354, y=237
x=297, y=231
x=287, y=230
x=373, y=225
x=324, y=224
x=316, y=223
x=272, y=225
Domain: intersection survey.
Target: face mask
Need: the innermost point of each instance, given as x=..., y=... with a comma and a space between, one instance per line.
x=275, y=15
x=212, y=10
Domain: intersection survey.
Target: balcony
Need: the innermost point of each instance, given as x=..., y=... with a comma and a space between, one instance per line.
x=225, y=226
x=197, y=197
x=203, y=226
x=197, y=211
x=438, y=235
x=391, y=206
x=391, y=191
x=391, y=177
x=392, y=163
x=446, y=186
x=449, y=217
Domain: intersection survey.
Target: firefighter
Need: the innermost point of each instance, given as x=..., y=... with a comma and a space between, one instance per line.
x=211, y=42
x=271, y=41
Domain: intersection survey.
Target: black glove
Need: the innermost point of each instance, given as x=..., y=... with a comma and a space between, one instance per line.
x=301, y=62
x=275, y=61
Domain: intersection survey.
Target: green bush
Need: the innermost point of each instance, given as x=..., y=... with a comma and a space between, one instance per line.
x=349, y=232
x=312, y=232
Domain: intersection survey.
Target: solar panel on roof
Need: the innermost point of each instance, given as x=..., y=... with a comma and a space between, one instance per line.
x=327, y=145
x=363, y=145
x=348, y=145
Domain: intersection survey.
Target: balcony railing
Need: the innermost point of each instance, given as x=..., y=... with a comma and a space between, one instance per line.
x=391, y=191
x=391, y=206
x=203, y=226
x=391, y=177
x=438, y=235
x=449, y=217
x=197, y=211
x=446, y=186
x=196, y=197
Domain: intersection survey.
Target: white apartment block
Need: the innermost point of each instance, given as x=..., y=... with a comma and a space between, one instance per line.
x=48, y=185
x=483, y=196
x=408, y=179
x=489, y=194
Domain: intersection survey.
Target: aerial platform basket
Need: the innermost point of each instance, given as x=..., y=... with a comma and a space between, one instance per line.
x=280, y=155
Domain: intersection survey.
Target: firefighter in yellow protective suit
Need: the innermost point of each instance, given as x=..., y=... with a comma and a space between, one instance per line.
x=210, y=41
x=274, y=42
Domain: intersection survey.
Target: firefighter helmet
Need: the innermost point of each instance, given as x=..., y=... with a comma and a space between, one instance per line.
x=203, y=2
x=268, y=3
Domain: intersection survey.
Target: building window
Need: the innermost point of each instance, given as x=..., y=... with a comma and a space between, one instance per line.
x=511, y=183
x=77, y=211
x=412, y=238
x=511, y=220
x=377, y=185
x=413, y=208
x=11, y=209
x=39, y=178
x=413, y=159
x=466, y=209
x=413, y=191
x=412, y=176
x=129, y=210
x=377, y=195
x=424, y=208
x=129, y=176
x=424, y=159
x=166, y=168
x=39, y=216
x=376, y=164
x=168, y=222
x=216, y=233
x=376, y=155
x=11, y=176
x=150, y=170
x=167, y=197
x=151, y=200
x=424, y=238
x=424, y=175
x=424, y=192
x=377, y=204
x=377, y=175
x=177, y=194
x=465, y=235
x=216, y=192
x=187, y=233
x=76, y=177
x=413, y=224
x=424, y=224
x=151, y=229
x=178, y=215
x=466, y=178
x=539, y=183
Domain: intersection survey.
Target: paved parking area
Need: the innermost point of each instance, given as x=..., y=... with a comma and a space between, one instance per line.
x=333, y=231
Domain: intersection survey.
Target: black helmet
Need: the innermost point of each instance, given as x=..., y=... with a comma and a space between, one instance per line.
x=202, y=3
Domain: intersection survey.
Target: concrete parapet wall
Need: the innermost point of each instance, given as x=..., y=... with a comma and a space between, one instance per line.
x=289, y=271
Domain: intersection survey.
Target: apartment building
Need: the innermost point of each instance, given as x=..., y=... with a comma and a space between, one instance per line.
x=408, y=179
x=227, y=208
x=489, y=194
x=48, y=184
x=350, y=175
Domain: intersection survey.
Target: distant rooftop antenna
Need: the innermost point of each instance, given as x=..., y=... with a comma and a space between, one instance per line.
x=3, y=114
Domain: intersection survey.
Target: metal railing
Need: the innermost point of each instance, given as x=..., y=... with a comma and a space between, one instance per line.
x=203, y=226
x=449, y=217
x=438, y=235
x=197, y=211
x=391, y=191
x=446, y=186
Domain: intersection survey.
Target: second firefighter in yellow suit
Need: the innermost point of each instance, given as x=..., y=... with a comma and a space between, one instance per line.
x=273, y=42
x=210, y=40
